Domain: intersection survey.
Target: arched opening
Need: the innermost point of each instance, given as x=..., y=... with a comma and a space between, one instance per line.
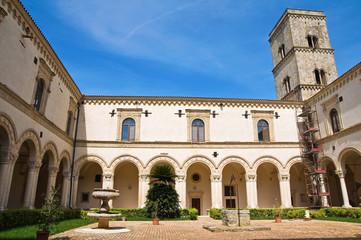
x=268, y=186
x=199, y=188
x=43, y=179
x=90, y=177
x=20, y=174
x=59, y=182
x=298, y=185
x=4, y=145
x=229, y=191
x=333, y=184
x=126, y=180
x=352, y=161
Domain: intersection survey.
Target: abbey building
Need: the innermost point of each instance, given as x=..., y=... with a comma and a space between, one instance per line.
x=303, y=149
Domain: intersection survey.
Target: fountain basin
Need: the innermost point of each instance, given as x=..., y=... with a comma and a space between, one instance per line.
x=104, y=218
x=100, y=193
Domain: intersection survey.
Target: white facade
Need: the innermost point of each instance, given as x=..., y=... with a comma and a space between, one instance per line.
x=37, y=140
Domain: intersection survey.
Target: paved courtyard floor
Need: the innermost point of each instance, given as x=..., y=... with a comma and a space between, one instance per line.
x=288, y=229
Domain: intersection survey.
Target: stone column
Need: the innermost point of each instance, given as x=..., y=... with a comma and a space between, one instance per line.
x=251, y=189
x=324, y=199
x=180, y=188
x=216, y=191
x=53, y=171
x=31, y=184
x=108, y=183
x=341, y=175
x=285, y=190
x=6, y=175
x=65, y=190
x=143, y=189
x=74, y=191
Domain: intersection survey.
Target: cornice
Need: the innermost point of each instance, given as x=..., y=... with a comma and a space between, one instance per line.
x=21, y=105
x=340, y=134
x=189, y=101
x=304, y=50
x=348, y=76
x=25, y=21
x=186, y=145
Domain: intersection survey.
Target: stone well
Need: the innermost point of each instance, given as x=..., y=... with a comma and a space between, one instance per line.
x=230, y=218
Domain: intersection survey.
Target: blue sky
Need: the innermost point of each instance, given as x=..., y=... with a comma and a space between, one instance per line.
x=205, y=48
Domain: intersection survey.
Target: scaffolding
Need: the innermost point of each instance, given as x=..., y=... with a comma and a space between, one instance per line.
x=312, y=154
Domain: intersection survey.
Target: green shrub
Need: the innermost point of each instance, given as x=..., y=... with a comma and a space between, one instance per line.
x=130, y=212
x=191, y=213
x=296, y=213
x=336, y=212
x=215, y=213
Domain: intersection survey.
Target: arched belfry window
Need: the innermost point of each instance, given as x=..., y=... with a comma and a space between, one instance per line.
x=312, y=41
x=320, y=77
x=263, y=131
x=335, y=120
x=38, y=94
x=128, y=129
x=198, y=130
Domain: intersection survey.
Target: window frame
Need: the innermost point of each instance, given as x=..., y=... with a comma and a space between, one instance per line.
x=199, y=127
x=203, y=115
x=268, y=116
x=129, y=128
x=335, y=120
x=328, y=105
x=124, y=113
x=265, y=137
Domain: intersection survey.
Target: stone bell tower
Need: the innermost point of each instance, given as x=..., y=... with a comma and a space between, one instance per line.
x=302, y=56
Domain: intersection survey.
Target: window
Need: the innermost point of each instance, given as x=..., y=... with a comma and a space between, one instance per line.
x=230, y=203
x=39, y=94
x=197, y=131
x=69, y=123
x=196, y=177
x=263, y=131
x=335, y=121
x=229, y=191
x=320, y=77
x=312, y=41
x=85, y=197
x=281, y=51
x=128, y=130
x=287, y=85
x=98, y=178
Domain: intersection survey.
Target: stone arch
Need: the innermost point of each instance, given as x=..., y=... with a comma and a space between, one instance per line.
x=50, y=146
x=234, y=159
x=291, y=162
x=64, y=155
x=267, y=159
x=340, y=162
x=199, y=159
x=160, y=158
x=9, y=126
x=89, y=158
x=126, y=158
x=30, y=135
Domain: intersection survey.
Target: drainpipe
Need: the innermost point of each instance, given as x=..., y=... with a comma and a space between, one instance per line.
x=73, y=158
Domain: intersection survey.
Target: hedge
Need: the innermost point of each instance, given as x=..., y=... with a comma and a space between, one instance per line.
x=216, y=213
x=336, y=212
x=21, y=217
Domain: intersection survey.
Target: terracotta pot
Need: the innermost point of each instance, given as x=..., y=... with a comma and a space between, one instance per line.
x=155, y=221
x=278, y=219
x=42, y=235
x=123, y=218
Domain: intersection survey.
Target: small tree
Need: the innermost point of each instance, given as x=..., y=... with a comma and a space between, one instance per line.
x=51, y=211
x=162, y=198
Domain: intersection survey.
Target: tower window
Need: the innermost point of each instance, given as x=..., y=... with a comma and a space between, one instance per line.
x=263, y=131
x=312, y=41
x=68, y=124
x=198, y=131
x=287, y=85
x=282, y=51
x=38, y=94
x=335, y=121
x=128, y=129
x=320, y=77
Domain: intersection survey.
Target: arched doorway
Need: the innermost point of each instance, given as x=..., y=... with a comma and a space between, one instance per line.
x=126, y=180
x=333, y=184
x=268, y=186
x=20, y=174
x=352, y=164
x=90, y=177
x=298, y=186
x=43, y=179
x=229, y=192
x=198, y=188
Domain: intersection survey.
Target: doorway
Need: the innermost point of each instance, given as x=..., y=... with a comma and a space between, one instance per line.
x=196, y=203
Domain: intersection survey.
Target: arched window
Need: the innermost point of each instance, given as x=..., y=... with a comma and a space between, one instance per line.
x=128, y=130
x=286, y=83
x=68, y=124
x=320, y=76
x=197, y=131
x=282, y=51
x=335, y=121
x=312, y=41
x=263, y=131
x=38, y=94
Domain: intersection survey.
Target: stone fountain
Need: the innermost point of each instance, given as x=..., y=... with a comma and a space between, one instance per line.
x=104, y=216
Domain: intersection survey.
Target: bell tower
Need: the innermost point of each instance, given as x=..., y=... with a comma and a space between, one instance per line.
x=303, y=61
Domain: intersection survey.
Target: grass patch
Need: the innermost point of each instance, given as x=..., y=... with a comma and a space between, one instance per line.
x=150, y=219
x=339, y=219
x=29, y=232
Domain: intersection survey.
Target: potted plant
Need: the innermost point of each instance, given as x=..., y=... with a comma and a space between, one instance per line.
x=155, y=214
x=49, y=215
x=277, y=211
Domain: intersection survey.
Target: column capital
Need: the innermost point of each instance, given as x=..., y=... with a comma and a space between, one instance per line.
x=108, y=176
x=66, y=174
x=180, y=178
x=340, y=173
x=53, y=170
x=284, y=177
x=216, y=178
x=251, y=177
x=143, y=177
x=34, y=166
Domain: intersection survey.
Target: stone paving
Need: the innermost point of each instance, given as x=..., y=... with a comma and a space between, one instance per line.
x=288, y=229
